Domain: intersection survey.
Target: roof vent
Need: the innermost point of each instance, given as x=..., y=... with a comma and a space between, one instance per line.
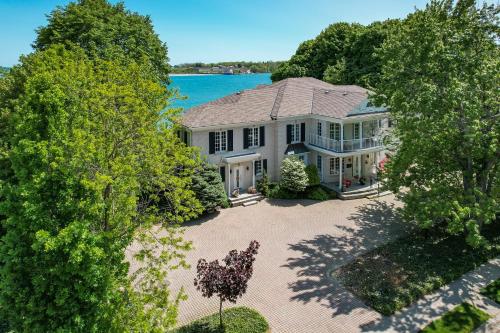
x=327, y=91
x=344, y=93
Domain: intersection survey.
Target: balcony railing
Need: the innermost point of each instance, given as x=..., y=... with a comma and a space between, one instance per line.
x=348, y=145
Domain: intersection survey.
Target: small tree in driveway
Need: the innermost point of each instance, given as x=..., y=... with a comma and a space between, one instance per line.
x=230, y=281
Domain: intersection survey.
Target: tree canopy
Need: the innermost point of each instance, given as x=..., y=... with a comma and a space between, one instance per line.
x=343, y=53
x=106, y=31
x=440, y=78
x=88, y=152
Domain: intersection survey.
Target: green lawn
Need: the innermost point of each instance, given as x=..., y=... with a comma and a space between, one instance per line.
x=236, y=320
x=397, y=274
x=464, y=318
x=492, y=291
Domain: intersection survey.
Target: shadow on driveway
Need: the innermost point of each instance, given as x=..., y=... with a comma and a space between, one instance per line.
x=374, y=224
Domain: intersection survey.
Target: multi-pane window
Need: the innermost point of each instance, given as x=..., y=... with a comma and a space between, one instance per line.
x=319, y=164
x=335, y=131
x=320, y=128
x=334, y=165
x=253, y=137
x=258, y=167
x=221, y=141
x=355, y=134
x=295, y=133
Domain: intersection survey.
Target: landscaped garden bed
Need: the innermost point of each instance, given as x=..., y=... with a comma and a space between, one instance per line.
x=464, y=318
x=395, y=275
x=236, y=320
x=492, y=291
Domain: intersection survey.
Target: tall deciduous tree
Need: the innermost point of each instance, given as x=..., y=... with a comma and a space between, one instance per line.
x=343, y=53
x=106, y=31
x=440, y=80
x=89, y=155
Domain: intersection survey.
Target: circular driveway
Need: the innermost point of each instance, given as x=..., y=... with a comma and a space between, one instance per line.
x=301, y=242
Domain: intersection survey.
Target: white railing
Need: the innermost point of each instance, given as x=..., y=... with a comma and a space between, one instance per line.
x=349, y=145
x=324, y=142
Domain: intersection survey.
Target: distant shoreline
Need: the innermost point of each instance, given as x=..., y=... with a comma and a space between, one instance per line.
x=206, y=74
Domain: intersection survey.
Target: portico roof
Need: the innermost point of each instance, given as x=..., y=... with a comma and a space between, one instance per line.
x=241, y=158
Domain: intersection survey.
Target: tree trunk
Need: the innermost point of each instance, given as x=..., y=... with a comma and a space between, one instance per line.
x=220, y=312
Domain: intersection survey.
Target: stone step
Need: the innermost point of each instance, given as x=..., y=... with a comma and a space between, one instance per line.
x=249, y=203
x=244, y=199
x=356, y=195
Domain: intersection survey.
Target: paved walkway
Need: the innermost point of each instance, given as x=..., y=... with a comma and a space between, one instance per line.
x=301, y=243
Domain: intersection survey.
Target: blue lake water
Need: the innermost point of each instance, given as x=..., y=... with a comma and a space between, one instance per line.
x=205, y=88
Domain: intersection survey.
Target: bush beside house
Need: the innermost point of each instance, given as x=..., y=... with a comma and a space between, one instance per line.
x=209, y=189
x=299, y=182
x=293, y=175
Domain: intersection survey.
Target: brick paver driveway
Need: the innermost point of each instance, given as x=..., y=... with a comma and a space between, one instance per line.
x=301, y=242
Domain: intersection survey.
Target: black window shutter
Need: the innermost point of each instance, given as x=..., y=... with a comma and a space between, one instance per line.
x=222, y=171
x=289, y=134
x=245, y=138
x=262, y=134
x=186, y=137
x=211, y=143
x=302, y=132
x=254, y=168
x=264, y=165
x=230, y=140
x=178, y=132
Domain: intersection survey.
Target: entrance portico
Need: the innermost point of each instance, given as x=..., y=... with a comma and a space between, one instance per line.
x=241, y=171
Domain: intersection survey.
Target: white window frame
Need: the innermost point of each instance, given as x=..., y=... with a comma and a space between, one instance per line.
x=220, y=141
x=335, y=131
x=334, y=165
x=319, y=128
x=356, y=131
x=295, y=133
x=253, y=137
x=258, y=167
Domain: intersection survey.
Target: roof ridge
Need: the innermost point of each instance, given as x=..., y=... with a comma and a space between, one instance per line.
x=277, y=101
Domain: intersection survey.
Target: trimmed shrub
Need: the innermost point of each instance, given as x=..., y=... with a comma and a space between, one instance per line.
x=263, y=185
x=317, y=193
x=312, y=175
x=293, y=175
x=208, y=186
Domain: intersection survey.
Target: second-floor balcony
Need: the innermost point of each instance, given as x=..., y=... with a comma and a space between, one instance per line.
x=344, y=146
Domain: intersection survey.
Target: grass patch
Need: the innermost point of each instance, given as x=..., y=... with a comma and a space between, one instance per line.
x=397, y=274
x=236, y=320
x=492, y=291
x=464, y=318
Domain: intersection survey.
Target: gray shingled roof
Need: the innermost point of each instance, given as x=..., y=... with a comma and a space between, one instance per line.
x=286, y=98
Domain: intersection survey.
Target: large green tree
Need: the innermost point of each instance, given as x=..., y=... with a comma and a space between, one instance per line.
x=343, y=53
x=90, y=158
x=106, y=31
x=440, y=79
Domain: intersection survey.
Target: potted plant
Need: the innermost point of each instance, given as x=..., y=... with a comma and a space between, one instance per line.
x=252, y=190
x=236, y=192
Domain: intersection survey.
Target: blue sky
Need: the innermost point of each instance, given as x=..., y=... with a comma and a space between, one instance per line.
x=213, y=30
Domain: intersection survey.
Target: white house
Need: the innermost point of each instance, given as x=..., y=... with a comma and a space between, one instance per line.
x=334, y=127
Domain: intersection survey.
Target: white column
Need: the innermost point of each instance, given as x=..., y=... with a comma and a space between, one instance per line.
x=341, y=136
x=229, y=180
x=359, y=166
x=322, y=169
x=253, y=173
x=360, y=135
x=340, y=174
